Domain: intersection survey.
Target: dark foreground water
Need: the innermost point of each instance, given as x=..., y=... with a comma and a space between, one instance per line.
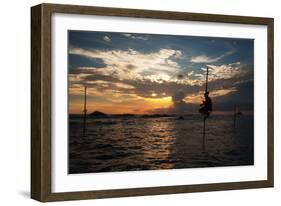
x=135, y=143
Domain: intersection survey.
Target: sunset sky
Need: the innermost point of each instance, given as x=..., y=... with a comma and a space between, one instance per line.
x=148, y=73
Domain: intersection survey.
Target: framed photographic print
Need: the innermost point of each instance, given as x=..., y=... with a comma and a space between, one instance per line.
x=132, y=102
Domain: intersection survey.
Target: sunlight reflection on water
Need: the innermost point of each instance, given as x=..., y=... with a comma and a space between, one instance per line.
x=135, y=143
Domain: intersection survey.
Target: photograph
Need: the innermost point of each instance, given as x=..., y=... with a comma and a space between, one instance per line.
x=139, y=101
x=133, y=102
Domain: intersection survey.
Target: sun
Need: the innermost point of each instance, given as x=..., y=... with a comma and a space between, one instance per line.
x=163, y=102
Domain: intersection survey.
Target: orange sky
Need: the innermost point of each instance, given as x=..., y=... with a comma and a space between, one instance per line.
x=136, y=105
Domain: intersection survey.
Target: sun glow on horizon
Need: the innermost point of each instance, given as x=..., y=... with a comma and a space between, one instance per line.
x=139, y=106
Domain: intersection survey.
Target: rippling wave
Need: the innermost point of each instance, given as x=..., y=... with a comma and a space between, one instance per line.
x=135, y=143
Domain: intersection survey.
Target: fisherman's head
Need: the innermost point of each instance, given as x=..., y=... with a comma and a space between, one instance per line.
x=206, y=94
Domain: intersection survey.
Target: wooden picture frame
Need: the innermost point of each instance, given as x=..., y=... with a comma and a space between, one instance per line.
x=41, y=117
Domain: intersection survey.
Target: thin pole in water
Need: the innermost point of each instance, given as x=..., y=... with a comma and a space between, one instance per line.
x=204, y=124
x=85, y=110
x=204, y=139
x=234, y=117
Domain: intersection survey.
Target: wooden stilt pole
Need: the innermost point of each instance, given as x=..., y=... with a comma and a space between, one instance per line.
x=85, y=111
x=204, y=139
x=204, y=124
x=234, y=117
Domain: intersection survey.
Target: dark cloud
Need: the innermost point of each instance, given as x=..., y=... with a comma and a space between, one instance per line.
x=75, y=61
x=242, y=97
x=130, y=66
x=180, y=76
x=179, y=105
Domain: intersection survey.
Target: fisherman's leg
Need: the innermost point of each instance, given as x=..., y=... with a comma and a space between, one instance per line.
x=207, y=114
x=203, y=110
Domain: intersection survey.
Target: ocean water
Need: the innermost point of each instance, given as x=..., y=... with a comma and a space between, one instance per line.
x=136, y=143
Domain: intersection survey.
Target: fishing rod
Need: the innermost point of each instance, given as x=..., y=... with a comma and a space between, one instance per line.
x=207, y=75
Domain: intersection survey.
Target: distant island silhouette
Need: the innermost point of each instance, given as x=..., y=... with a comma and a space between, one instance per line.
x=99, y=114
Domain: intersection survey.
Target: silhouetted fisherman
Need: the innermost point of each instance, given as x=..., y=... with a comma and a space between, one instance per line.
x=206, y=106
